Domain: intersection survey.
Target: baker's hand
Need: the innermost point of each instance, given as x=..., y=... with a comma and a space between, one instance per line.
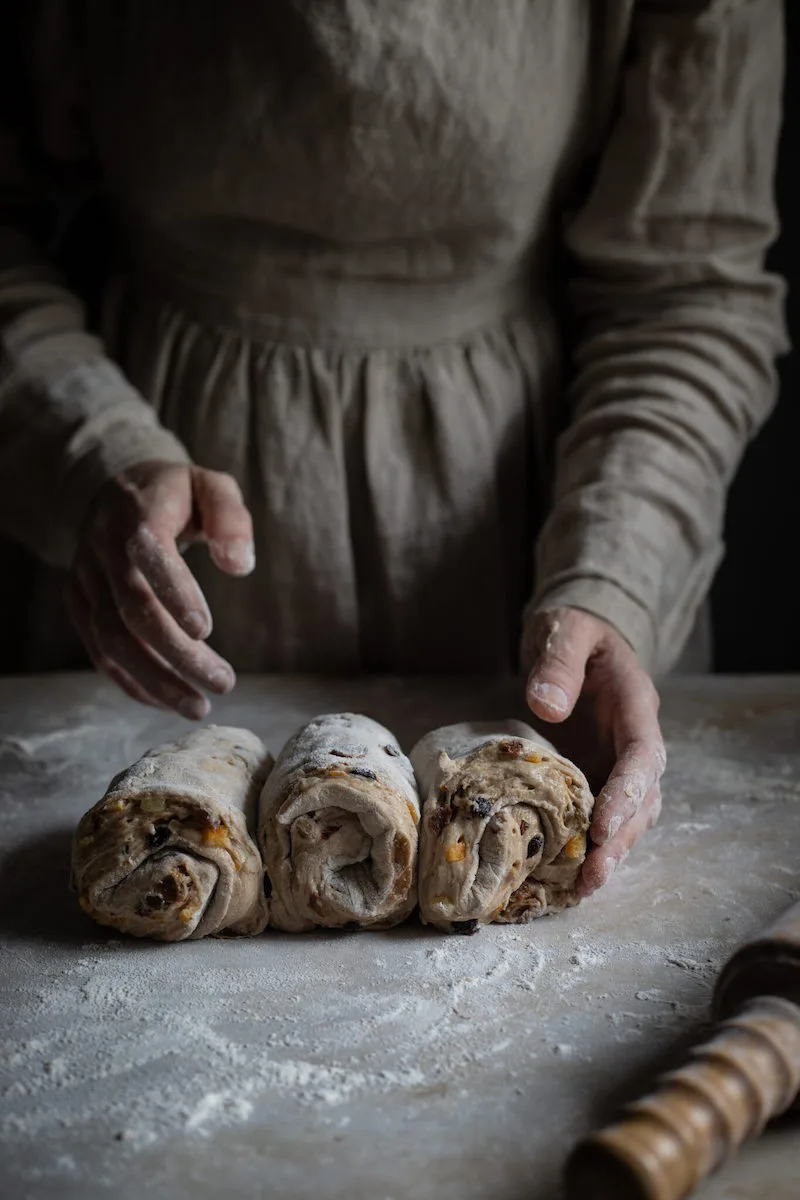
x=134, y=602
x=585, y=675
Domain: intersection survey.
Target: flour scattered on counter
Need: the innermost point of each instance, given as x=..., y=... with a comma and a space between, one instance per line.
x=216, y=1104
x=586, y=956
x=141, y=1037
x=29, y=747
x=148, y=1042
x=115, y=1051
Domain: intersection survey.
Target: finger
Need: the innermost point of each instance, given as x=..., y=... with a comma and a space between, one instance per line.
x=80, y=614
x=225, y=522
x=634, y=774
x=602, y=861
x=149, y=541
x=640, y=764
x=153, y=549
x=117, y=647
x=145, y=616
x=556, y=679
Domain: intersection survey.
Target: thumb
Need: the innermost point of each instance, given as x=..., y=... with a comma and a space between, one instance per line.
x=566, y=640
x=225, y=523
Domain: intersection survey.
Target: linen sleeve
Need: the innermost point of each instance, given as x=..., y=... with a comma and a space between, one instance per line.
x=678, y=322
x=69, y=420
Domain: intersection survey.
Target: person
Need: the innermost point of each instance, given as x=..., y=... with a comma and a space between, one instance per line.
x=398, y=291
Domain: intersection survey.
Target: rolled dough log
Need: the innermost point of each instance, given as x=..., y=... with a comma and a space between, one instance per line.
x=169, y=852
x=338, y=828
x=504, y=825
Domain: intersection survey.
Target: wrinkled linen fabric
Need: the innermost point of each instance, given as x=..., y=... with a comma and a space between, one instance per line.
x=373, y=258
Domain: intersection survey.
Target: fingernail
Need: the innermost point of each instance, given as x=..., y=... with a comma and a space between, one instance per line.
x=221, y=681
x=613, y=827
x=240, y=557
x=550, y=694
x=248, y=559
x=591, y=882
x=197, y=624
x=610, y=868
x=194, y=708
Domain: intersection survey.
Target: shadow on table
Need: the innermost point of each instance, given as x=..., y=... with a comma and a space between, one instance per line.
x=607, y=1104
x=35, y=897
x=615, y=1088
x=36, y=900
x=411, y=930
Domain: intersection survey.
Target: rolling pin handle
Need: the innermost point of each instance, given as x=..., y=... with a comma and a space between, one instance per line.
x=666, y=1144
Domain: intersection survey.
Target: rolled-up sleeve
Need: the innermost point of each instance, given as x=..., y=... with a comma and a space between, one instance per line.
x=69, y=420
x=679, y=323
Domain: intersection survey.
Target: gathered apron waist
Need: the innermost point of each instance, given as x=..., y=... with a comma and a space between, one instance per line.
x=252, y=295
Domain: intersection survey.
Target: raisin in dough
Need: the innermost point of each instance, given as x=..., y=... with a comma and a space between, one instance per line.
x=169, y=852
x=504, y=825
x=338, y=828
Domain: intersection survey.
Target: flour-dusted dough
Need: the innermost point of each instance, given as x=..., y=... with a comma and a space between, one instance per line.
x=504, y=825
x=338, y=828
x=168, y=852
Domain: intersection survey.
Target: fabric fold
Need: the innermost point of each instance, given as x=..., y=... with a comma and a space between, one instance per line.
x=504, y=826
x=169, y=852
x=338, y=828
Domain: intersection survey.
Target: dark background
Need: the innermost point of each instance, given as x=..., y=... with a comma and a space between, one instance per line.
x=755, y=603
x=755, y=597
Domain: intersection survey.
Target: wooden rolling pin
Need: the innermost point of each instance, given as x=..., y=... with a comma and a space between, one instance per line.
x=666, y=1144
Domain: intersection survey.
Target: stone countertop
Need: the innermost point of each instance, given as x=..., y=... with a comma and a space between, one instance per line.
x=394, y=1065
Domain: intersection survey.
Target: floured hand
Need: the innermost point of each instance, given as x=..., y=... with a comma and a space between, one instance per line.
x=133, y=600
x=584, y=676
